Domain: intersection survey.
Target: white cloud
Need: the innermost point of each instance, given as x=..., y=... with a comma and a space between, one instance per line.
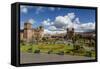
x=70, y=20
x=21, y=25
x=31, y=21
x=52, y=8
x=71, y=15
x=47, y=22
x=77, y=21
x=46, y=31
x=39, y=9
x=52, y=28
x=84, y=27
x=24, y=9
x=89, y=25
x=61, y=23
x=59, y=8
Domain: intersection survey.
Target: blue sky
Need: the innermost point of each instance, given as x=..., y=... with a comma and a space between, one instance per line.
x=53, y=17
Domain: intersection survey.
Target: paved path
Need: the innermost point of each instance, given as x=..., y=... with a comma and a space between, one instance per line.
x=38, y=58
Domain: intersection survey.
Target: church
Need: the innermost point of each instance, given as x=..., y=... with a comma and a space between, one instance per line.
x=29, y=34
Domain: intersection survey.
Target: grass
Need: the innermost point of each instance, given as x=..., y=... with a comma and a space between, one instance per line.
x=54, y=49
x=45, y=47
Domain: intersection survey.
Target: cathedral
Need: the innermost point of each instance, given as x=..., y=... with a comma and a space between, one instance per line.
x=29, y=34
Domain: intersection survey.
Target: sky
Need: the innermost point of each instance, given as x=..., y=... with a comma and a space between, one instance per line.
x=58, y=19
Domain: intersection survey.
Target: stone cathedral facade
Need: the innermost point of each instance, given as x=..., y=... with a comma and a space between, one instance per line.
x=29, y=34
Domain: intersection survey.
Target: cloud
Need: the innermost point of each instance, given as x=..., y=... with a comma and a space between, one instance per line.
x=88, y=26
x=31, y=21
x=21, y=25
x=61, y=23
x=52, y=8
x=71, y=15
x=70, y=20
x=39, y=9
x=24, y=9
x=52, y=28
x=77, y=21
x=46, y=31
x=84, y=27
x=64, y=21
x=46, y=22
x=59, y=8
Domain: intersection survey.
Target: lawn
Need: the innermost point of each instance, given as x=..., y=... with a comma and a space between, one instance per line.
x=61, y=49
x=45, y=47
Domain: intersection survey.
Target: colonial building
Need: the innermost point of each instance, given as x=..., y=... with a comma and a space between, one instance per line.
x=70, y=33
x=29, y=34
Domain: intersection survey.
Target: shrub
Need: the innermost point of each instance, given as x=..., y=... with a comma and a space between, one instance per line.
x=37, y=51
x=30, y=44
x=71, y=52
x=29, y=50
x=60, y=53
x=23, y=43
x=68, y=52
x=88, y=54
x=50, y=51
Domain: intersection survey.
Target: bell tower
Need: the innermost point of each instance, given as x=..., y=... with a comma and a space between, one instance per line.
x=70, y=33
x=27, y=32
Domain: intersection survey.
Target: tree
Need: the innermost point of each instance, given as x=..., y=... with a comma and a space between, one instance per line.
x=78, y=49
x=41, y=27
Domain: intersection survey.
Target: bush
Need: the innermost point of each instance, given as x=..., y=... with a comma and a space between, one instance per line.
x=23, y=43
x=50, y=51
x=88, y=54
x=30, y=44
x=37, y=51
x=68, y=51
x=71, y=52
x=29, y=50
x=60, y=53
